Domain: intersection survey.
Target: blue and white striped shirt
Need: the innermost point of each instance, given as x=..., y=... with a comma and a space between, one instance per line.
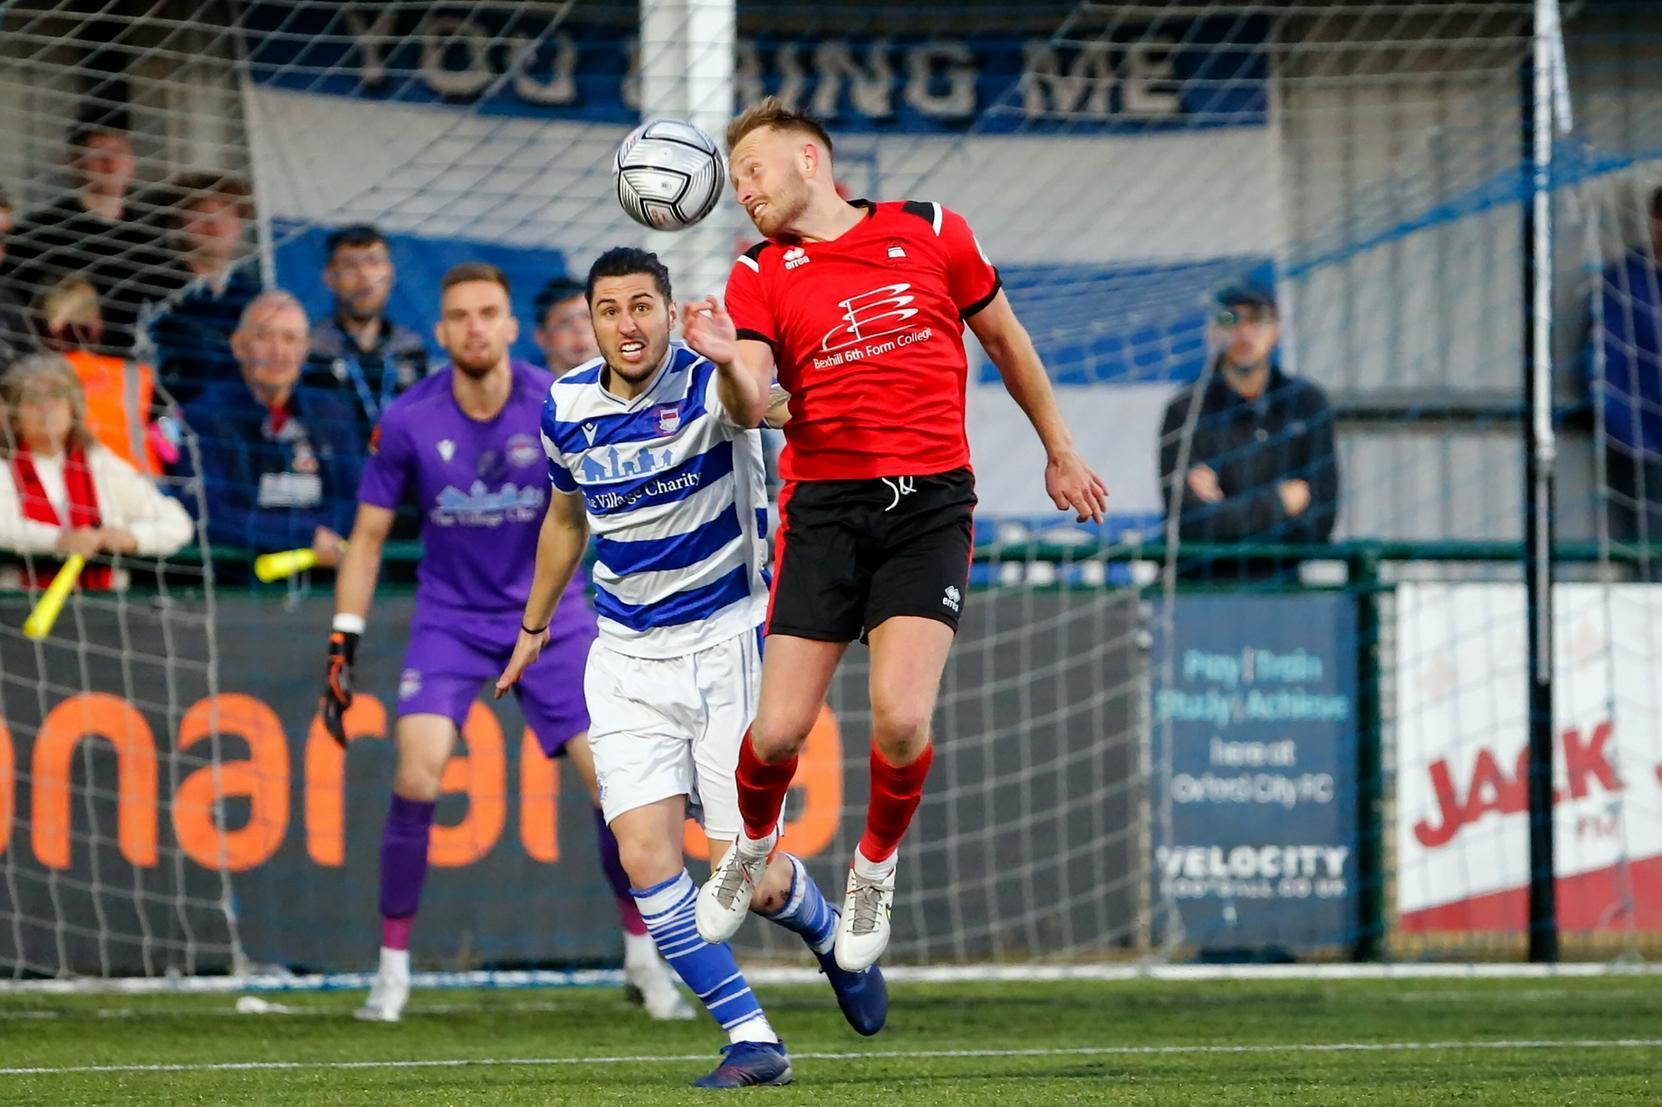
x=676, y=501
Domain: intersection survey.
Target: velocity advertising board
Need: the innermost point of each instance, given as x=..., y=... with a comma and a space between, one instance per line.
x=1253, y=794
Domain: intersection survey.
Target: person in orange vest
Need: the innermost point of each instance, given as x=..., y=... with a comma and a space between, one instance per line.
x=120, y=393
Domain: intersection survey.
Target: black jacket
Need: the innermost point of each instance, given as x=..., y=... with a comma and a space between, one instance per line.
x=1253, y=446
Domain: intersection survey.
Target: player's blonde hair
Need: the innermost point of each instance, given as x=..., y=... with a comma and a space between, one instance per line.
x=773, y=112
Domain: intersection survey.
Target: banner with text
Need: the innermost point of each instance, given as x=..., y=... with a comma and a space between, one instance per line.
x=1462, y=716
x=1254, y=747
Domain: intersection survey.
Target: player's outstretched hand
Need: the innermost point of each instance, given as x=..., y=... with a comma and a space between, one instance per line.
x=1071, y=485
x=337, y=684
x=527, y=648
x=709, y=330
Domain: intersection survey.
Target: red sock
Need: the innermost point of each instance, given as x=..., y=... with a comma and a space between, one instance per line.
x=762, y=789
x=395, y=933
x=895, y=792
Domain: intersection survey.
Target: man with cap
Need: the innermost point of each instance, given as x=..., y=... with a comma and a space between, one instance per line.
x=1246, y=452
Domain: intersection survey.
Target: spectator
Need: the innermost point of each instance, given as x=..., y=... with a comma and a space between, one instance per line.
x=280, y=460
x=93, y=230
x=17, y=336
x=358, y=348
x=62, y=493
x=1630, y=338
x=1260, y=464
x=193, y=339
x=564, y=331
x=119, y=392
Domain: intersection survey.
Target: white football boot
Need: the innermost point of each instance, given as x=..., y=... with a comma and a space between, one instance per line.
x=863, y=930
x=724, y=900
x=391, y=990
x=648, y=974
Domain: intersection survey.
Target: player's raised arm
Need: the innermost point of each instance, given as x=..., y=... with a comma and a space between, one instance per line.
x=560, y=545
x=1068, y=480
x=744, y=369
x=355, y=579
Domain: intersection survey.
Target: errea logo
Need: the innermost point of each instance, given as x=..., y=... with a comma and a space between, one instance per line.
x=953, y=598
x=796, y=256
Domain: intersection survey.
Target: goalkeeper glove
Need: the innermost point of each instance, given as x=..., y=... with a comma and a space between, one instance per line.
x=337, y=683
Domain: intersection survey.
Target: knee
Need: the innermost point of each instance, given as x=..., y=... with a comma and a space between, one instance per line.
x=646, y=860
x=899, y=725
x=417, y=780
x=779, y=737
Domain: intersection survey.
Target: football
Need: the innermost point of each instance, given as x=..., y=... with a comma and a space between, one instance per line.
x=668, y=174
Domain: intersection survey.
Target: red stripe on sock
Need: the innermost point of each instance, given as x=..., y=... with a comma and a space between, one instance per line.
x=895, y=793
x=762, y=789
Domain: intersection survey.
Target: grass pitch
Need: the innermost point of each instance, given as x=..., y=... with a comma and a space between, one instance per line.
x=1466, y=1041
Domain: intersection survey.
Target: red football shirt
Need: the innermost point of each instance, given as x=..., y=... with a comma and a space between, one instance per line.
x=868, y=335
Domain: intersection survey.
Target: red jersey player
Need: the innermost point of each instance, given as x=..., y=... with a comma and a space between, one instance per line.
x=859, y=308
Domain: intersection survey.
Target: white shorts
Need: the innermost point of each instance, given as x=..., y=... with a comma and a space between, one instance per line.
x=662, y=727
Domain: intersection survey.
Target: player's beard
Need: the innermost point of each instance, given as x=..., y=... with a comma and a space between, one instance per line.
x=784, y=210
x=476, y=367
x=641, y=371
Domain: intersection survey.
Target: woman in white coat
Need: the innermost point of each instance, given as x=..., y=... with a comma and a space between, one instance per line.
x=62, y=493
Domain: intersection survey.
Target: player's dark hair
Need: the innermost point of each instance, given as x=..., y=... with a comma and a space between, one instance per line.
x=474, y=271
x=356, y=236
x=1656, y=202
x=773, y=112
x=626, y=261
x=556, y=291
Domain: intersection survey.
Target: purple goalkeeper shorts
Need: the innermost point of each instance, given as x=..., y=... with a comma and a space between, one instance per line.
x=453, y=655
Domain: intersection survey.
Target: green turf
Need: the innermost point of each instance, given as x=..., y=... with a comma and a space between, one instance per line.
x=1154, y=1026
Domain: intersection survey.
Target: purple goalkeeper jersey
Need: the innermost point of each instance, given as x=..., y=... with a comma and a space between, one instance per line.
x=482, y=488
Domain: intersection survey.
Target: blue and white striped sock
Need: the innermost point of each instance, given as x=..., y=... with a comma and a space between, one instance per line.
x=710, y=971
x=806, y=911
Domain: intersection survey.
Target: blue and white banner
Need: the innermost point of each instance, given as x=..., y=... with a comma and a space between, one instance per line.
x=1116, y=182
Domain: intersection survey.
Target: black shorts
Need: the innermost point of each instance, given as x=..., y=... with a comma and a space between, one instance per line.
x=852, y=553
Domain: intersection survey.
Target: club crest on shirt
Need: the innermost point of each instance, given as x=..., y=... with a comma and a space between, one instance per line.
x=669, y=419
x=523, y=450
x=304, y=460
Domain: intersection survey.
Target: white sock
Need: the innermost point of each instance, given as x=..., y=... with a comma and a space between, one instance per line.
x=395, y=963
x=754, y=848
x=638, y=949
x=757, y=1029
x=873, y=870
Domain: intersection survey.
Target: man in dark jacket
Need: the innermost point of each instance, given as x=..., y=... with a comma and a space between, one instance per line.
x=359, y=351
x=95, y=231
x=1246, y=453
x=279, y=461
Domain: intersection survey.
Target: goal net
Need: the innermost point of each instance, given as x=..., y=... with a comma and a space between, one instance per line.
x=1271, y=709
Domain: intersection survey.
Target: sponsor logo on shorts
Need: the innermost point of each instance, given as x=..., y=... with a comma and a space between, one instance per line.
x=409, y=684
x=953, y=598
